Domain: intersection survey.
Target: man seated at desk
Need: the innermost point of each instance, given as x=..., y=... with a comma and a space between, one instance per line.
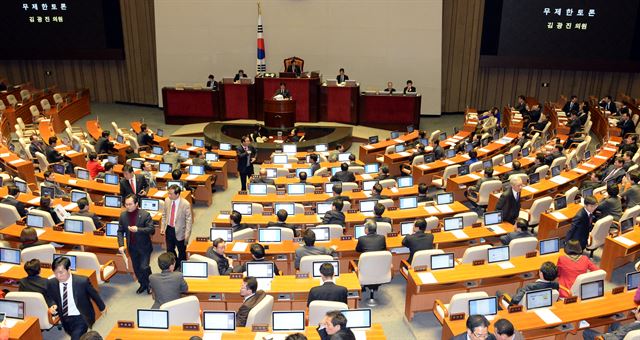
x=252, y=296
x=173, y=157
x=378, y=210
x=282, y=91
x=522, y=230
x=216, y=253
x=615, y=331
x=282, y=222
x=631, y=195
x=337, y=193
x=611, y=205
x=352, y=160
x=334, y=326
x=315, y=165
x=477, y=329
x=328, y=290
x=33, y=282
x=422, y=193
x=630, y=143
x=516, y=167
x=302, y=176
x=335, y=215
x=50, y=182
x=383, y=173
x=474, y=189
x=344, y=175
x=607, y=104
x=83, y=210
x=376, y=192
x=212, y=84
x=309, y=238
x=262, y=178
x=11, y=199
x=103, y=144
x=234, y=219
x=145, y=137
x=371, y=241
x=294, y=68
x=257, y=255
x=614, y=172
x=547, y=276
x=333, y=155
x=341, y=78
x=409, y=88
x=419, y=240
x=167, y=285
x=239, y=75
x=108, y=169
x=390, y=88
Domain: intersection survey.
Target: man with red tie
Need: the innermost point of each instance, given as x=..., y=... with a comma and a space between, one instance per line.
x=137, y=226
x=132, y=184
x=176, y=223
x=246, y=157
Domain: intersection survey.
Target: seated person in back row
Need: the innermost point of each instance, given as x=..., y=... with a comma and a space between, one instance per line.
x=33, y=282
x=309, y=238
x=378, y=210
x=83, y=206
x=282, y=218
x=376, y=192
x=328, y=290
x=337, y=193
x=108, y=169
x=303, y=177
x=422, y=193
x=169, y=284
x=344, y=175
x=547, y=276
x=474, y=189
x=11, y=199
x=522, y=230
x=234, y=219
x=419, y=240
x=262, y=178
x=216, y=253
x=371, y=241
x=383, y=173
x=390, y=88
x=409, y=88
x=45, y=205
x=335, y=215
x=252, y=296
x=257, y=255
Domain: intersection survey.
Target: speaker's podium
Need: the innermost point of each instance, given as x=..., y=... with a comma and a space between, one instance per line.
x=279, y=114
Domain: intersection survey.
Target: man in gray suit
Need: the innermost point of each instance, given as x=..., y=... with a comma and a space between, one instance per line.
x=522, y=231
x=631, y=196
x=610, y=205
x=615, y=331
x=83, y=206
x=614, y=172
x=477, y=329
x=167, y=285
x=504, y=330
x=309, y=238
x=176, y=223
x=172, y=156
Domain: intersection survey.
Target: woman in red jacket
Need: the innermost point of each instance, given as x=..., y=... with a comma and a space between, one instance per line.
x=572, y=264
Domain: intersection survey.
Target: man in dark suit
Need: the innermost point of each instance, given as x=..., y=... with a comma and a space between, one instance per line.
x=376, y=192
x=70, y=297
x=521, y=104
x=344, y=175
x=36, y=145
x=33, y=282
x=631, y=195
x=547, y=276
x=611, y=205
x=615, y=172
x=132, y=184
x=282, y=91
x=534, y=113
x=334, y=326
x=211, y=83
x=574, y=128
x=252, y=296
x=341, y=78
x=390, y=88
x=383, y=173
x=137, y=225
x=83, y=210
x=626, y=124
x=488, y=176
x=282, y=222
x=504, y=330
x=438, y=151
x=11, y=199
x=615, y=331
x=419, y=240
x=477, y=329
x=409, y=88
x=509, y=202
x=262, y=178
x=216, y=253
x=629, y=144
x=422, y=193
x=246, y=157
x=53, y=156
x=337, y=193
x=555, y=153
x=103, y=144
x=335, y=215
x=371, y=241
x=239, y=75
x=516, y=167
x=315, y=165
x=145, y=137
x=582, y=223
x=571, y=105
x=538, y=162
x=328, y=290
x=522, y=230
x=234, y=219
x=257, y=255
x=294, y=68
x=309, y=248
x=607, y=104
x=378, y=210
x=167, y=285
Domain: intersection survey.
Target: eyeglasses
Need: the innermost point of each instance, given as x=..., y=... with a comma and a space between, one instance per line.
x=481, y=336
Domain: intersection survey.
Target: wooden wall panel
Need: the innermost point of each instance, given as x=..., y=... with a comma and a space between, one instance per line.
x=132, y=80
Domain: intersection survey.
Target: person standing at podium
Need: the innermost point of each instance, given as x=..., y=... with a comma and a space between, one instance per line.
x=409, y=87
x=282, y=91
x=246, y=157
x=239, y=75
x=341, y=78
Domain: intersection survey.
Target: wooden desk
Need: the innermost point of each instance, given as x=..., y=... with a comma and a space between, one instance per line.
x=339, y=104
x=95, y=131
x=319, y=181
x=163, y=142
x=554, y=225
x=27, y=329
x=617, y=253
x=304, y=91
x=389, y=111
x=354, y=197
x=293, y=166
x=17, y=166
x=190, y=105
x=229, y=156
x=369, y=152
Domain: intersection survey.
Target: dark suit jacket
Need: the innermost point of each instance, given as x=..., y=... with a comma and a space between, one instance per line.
x=35, y=147
x=239, y=227
x=631, y=196
x=610, y=206
x=621, y=332
x=93, y=216
x=215, y=84
x=14, y=202
x=53, y=156
x=296, y=233
x=611, y=107
x=580, y=228
x=341, y=197
x=223, y=263
x=509, y=206
x=333, y=217
x=409, y=89
x=416, y=242
x=237, y=76
x=506, y=239
x=628, y=147
x=344, y=78
x=35, y=284
x=243, y=312
x=626, y=127
x=617, y=177
x=343, y=176
x=145, y=139
x=574, y=126
x=382, y=219
x=569, y=106
x=244, y=158
x=167, y=286
x=83, y=293
x=284, y=93
x=539, y=284
x=438, y=152
x=103, y=145
x=328, y=291
x=126, y=189
x=145, y=230
x=343, y=334
x=294, y=68
x=371, y=242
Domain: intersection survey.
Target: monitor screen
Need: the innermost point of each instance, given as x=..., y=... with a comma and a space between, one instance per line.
x=280, y=159
x=260, y=270
x=257, y=189
x=373, y=139
x=136, y=164
x=35, y=221
x=395, y=134
x=83, y=174
x=357, y=318
x=195, y=269
x=47, y=192
x=591, y=290
x=289, y=148
x=317, y=264
x=296, y=189
x=487, y=164
x=358, y=231
x=408, y=202
x=587, y=192
x=446, y=198
x=555, y=171
x=328, y=187
x=587, y=155
x=321, y=148
x=406, y=228
x=508, y=158
x=442, y=261
x=111, y=179
x=153, y=318
x=272, y=173
x=367, y=205
x=539, y=298
x=112, y=229
x=335, y=169
x=442, y=136
x=211, y=157
x=400, y=148
x=323, y=207
x=626, y=225
x=150, y=204
x=306, y=170
x=485, y=306
x=196, y=170
x=344, y=157
x=76, y=195
x=453, y=223
x=165, y=167
x=560, y=202
x=287, y=321
x=450, y=153
x=549, y=246
x=525, y=152
x=157, y=150
x=219, y=321
x=269, y=235
x=468, y=147
x=225, y=146
x=498, y=254
x=120, y=139
x=633, y=279
x=183, y=154
x=410, y=128
x=368, y=185
x=322, y=234
x=290, y=208
x=243, y=208
x=371, y=168
x=492, y=218
x=405, y=181
x=72, y=259
x=12, y=309
x=58, y=168
x=198, y=143
x=10, y=255
x=463, y=170
x=73, y=226
x=113, y=159
x=224, y=233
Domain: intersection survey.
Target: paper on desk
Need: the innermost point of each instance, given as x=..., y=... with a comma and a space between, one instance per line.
x=278, y=141
x=448, y=161
x=240, y=246
x=589, y=165
x=498, y=230
x=508, y=165
x=483, y=150
x=16, y=161
x=4, y=267
x=459, y=234
x=394, y=190
x=601, y=157
x=505, y=265
x=368, y=147
x=160, y=193
x=191, y=177
x=431, y=209
x=287, y=166
x=208, y=335
x=559, y=216
x=609, y=149
x=427, y=277
x=398, y=140
x=501, y=141
x=367, y=193
x=161, y=174
x=34, y=200
x=70, y=206
x=424, y=167
x=71, y=152
x=404, y=154
x=72, y=181
x=530, y=189
x=9, y=322
x=559, y=179
x=444, y=208
x=625, y=241
x=580, y=170
x=473, y=176
x=191, y=148
x=547, y=316
x=39, y=231
x=368, y=214
x=188, y=161
x=223, y=216
x=366, y=176
x=6, y=154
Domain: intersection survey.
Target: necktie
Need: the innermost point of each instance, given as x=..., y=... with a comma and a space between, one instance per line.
x=65, y=305
x=133, y=185
x=249, y=156
x=590, y=219
x=610, y=175
x=173, y=214
x=515, y=194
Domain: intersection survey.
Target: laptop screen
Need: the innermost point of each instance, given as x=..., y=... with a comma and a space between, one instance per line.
x=560, y=202
x=196, y=170
x=269, y=235
x=73, y=226
x=463, y=170
x=280, y=159
x=591, y=290
x=328, y=187
x=150, y=204
x=177, y=183
x=296, y=189
x=198, y=143
x=408, y=202
x=450, y=153
x=498, y=254
x=289, y=148
x=442, y=261
x=453, y=223
x=626, y=225
x=290, y=208
x=183, y=153
x=72, y=259
x=633, y=279
x=272, y=173
x=321, y=148
x=587, y=192
x=76, y=195
x=400, y=148
x=373, y=139
x=395, y=134
x=225, y=146
x=555, y=171
x=508, y=158
x=243, y=208
x=12, y=309
x=83, y=174
x=58, y=168
x=446, y=198
x=136, y=163
x=195, y=269
x=406, y=228
x=539, y=298
x=534, y=178
x=258, y=189
x=404, y=182
x=323, y=207
x=111, y=179
x=219, y=321
x=549, y=246
x=367, y=205
x=113, y=159
x=486, y=306
x=35, y=221
x=120, y=139
x=112, y=229
x=368, y=185
x=492, y=218
x=358, y=318
x=358, y=231
x=343, y=157
x=260, y=270
x=224, y=233
x=322, y=234
x=160, y=132
x=371, y=168
x=316, y=267
x=153, y=318
x=287, y=321
x=211, y=157
x=157, y=150
x=165, y=167
x=335, y=170
x=47, y=191
x=10, y=255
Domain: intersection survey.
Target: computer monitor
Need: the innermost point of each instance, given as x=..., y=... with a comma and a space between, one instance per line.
x=183, y=153
x=485, y=306
x=10, y=255
x=219, y=321
x=12, y=309
x=405, y=181
x=524, y=152
x=165, y=167
x=442, y=136
x=322, y=234
x=47, y=192
x=73, y=226
x=153, y=319
x=344, y=157
x=76, y=195
x=592, y=290
x=450, y=153
x=160, y=132
x=368, y=185
x=560, y=202
x=633, y=279
x=22, y=186
x=157, y=150
x=289, y=148
x=587, y=192
x=225, y=146
x=198, y=143
x=260, y=270
x=113, y=159
x=367, y=205
x=371, y=168
x=280, y=159
x=72, y=259
x=149, y=204
x=194, y=269
x=453, y=223
x=626, y=225
x=58, y=168
x=321, y=148
x=400, y=148
x=83, y=174
x=112, y=229
x=111, y=179
x=406, y=228
x=587, y=155
x=446, y=198
x=35, y=221
x=442, y=261
x=409, y=202
x=498, y=254
x=243, y=208
x=316, y=267
x=323, y=207
x=358, y=231
x=257, y=189
x=487, y=164
x=335, y=169
x=269, y=235
x=296, y=189
x=463, y=169
x=424, y=141
x=224, y=233
x=508, y=158
x=211, y=157
x=272, y=173
x=290, y=208
x=306, y=170
x=555, y=171
x=534, y=178
x=328, y=187
x=136, y=164
x=373, y=139
x=120, y=139
x=549, y=246
x=287, y=321
x=410, y=128
x=196, y=170
x=395, y=134
x=468, y=147
x=357, y=318
x=179, y=184
x=542, y=298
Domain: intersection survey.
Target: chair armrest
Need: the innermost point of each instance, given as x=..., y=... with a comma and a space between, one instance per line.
x=506, y=298
x=54, y=320
x=353, y=267
x=109, y=263
x=404, y=265
x=445, y=312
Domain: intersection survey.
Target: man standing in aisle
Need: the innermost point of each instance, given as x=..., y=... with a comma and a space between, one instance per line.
x=137, y=225
x=176, y=223
x=246, y=157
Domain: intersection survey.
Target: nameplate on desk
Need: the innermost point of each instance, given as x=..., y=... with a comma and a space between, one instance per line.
x=617, y=290
x=58, y=228
x=352, y=211
x=436, y=230
x=126, y=324
x=570, y=299
x=356, y=190
x=318, y=191
x=476, y=225
x=266, y=162
x=531, y=254
x=98, y=204
x=250, y=240
x=515, y=309
x=225, y=212
x=302, y=276
x=202, y=239
x=235, y=276
x=346, y=238
x=21, y=223
x=456, y=316
x=326, y=175
x=297, y=239
x=242, y=192
x=45, y=265
x=190, y=327
x=291, y=175
x=392, y=234
x=280, y=193
x=66, y=199
x=420, y=268
x=307, y=213
x=98, y=232
x=392, y=208
x=260, y=328
x=267, y=213
x=478, y=262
